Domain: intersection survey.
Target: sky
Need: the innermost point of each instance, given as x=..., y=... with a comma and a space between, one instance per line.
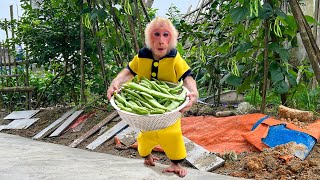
x=182, y=5
x=161, y=5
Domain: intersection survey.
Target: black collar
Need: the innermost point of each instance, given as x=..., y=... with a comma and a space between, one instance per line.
x=146, y=53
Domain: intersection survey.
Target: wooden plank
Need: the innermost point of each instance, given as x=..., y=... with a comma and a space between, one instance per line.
x=107, y=135
x=105, y=128
x=94, y=129
x=12, y=63
x=201, y=158
x=66, y=123
x=53, y=125
x=128, y=136
x=20, y=124
x=17, y=89
x=10, y=76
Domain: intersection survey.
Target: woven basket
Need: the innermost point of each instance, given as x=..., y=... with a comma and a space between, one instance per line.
x=152, y=121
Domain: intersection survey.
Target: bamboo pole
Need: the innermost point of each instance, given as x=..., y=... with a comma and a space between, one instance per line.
x=5, y=63
x=8, y=51
x=307, y=38
x=13, y=45
x=26, y=80
x=1, y=58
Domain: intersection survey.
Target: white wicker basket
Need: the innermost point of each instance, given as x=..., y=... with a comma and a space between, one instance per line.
x=152, y=121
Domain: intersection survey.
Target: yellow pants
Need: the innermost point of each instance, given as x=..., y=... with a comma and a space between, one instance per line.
x=170, y=139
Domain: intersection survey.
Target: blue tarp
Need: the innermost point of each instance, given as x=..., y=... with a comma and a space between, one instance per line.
x=280, y=134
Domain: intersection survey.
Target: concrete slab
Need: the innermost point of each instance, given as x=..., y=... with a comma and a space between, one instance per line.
x=201, y=158
x=20, y=123
x=107, y=135
x=66, y=123
x=21, y=114
x=24, y=159
x=46, y=131
x=76, y=142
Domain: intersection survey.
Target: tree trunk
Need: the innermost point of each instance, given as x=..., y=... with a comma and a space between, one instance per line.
x=133, y=33
x=137, y=14
x=265, y=65
x=82, y=95
x=307, y=38
x=144, y=10
x=99, y=48
x=149, y=3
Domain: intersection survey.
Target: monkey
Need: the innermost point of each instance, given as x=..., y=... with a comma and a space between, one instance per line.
x=160, y=59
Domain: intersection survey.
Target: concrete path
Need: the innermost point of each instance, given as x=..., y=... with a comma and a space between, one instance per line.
x=24, y=159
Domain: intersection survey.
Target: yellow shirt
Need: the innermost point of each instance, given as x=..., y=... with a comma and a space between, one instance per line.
x=170, y=68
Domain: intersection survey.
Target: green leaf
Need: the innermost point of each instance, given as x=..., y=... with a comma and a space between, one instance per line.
x=311, y=20
x=291, y=22
x=266, y=11
x=239, y=14
x=238, y=30
x=281, y=87
x=280, y=13
x=292, y=79
x=276, y=73
x=223, y=48
x=245, y=85
x=244, y=47
x=180, y=49
x=234, y=80
x=102, y=14
x=284, y=54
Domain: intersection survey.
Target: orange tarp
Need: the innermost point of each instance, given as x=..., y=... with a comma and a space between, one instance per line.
x=234, y=133
x=220, y=134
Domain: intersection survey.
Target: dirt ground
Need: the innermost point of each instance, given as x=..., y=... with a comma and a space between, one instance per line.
x=264, y=165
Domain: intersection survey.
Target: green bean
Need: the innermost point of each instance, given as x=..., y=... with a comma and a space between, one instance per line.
x=145, y=104
x=155, y=103
x=156, y=80
x=133, y=103
x=147, y=81
x=162, y=101
x=179, y=86
x=164, y=84
x=140, y=110
x=175, y=104
x=145, y=84
x=157, y=111
x=160, y=88
x=122, y=107
x=167, y=103
x=152, y=92
x=129, y=91
x=121, y=99
x=146, y=95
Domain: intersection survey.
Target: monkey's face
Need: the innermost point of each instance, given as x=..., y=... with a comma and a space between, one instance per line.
x=160, y=39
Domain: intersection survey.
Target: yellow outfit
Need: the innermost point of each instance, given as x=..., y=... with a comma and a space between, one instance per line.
x=170, y=68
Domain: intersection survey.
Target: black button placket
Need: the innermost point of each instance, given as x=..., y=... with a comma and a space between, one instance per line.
x=154, y=69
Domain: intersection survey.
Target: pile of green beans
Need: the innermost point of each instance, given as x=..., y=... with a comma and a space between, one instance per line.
x=150, y=96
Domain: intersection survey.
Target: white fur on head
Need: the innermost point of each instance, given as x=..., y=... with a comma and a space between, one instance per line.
x=159, y=22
